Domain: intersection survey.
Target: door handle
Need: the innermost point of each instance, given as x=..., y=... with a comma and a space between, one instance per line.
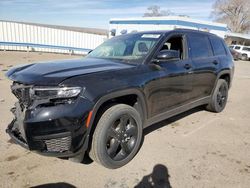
x=215, y=62
x=187, y=66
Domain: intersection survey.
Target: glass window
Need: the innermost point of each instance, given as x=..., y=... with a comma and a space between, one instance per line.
x=218, y=46
x=237, y=48
x=200, y=46
x=130, y=47
x=174, y=43
x=246, y=49
x=142, y=46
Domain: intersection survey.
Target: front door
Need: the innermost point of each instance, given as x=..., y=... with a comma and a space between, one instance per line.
x=174, y=85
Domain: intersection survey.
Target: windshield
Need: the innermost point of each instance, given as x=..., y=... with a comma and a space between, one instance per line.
x=131, y=47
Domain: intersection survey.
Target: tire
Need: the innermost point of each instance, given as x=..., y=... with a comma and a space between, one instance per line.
x=117, y=136
x=219, y=97
x=244, y=57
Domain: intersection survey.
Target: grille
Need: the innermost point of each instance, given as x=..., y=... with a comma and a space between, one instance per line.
x=58, y=144
x=22, y=93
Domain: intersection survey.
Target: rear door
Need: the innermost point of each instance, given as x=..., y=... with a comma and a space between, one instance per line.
x=204, y=65
x=219, y=50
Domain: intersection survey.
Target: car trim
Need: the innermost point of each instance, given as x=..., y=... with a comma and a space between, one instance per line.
x=177, y=110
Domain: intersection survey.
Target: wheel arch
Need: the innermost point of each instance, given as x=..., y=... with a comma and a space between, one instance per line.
x=225, y=76
x=114, y=98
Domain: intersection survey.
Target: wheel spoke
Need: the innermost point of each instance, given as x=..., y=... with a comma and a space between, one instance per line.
x=119, y=156
x=113, y=133
x=125, y=148
x=131, y=131
x=123, y=123
x=112, y=150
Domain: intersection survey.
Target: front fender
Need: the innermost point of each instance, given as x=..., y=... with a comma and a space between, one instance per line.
x=116, y=94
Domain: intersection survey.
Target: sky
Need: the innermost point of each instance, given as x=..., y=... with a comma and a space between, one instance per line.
x=95, y=13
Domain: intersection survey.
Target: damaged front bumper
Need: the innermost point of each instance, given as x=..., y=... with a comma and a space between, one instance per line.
x=17, y=138
x=58, y=131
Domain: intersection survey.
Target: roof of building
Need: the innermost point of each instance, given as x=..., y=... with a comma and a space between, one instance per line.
x=238, y=35
x=171, y=20
x=69, y=28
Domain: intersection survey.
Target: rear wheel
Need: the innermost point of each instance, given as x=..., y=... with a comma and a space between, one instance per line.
x=117, y=136
x=219, y=97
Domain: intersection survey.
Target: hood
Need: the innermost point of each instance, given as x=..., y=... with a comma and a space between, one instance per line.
x=54, y=72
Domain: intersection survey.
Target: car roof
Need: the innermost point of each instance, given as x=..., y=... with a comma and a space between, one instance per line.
x=175, y=31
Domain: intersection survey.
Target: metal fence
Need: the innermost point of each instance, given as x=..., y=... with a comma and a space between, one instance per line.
x=28, y=37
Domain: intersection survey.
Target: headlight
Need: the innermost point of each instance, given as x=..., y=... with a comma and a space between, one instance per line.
x=54, y=92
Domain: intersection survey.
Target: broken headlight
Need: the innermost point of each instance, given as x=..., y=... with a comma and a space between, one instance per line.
x=54, y=92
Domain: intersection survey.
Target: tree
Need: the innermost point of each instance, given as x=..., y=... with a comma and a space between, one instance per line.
x=234, y=13
x=156, y=11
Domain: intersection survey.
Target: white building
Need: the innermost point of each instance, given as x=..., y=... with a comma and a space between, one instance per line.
x=49, y=38
x=122, y=26
x=237, y=38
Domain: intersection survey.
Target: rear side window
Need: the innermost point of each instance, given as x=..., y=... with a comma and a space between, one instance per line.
x=200, y=46
x=246, y=49
x=237, y=47
x=218, y=46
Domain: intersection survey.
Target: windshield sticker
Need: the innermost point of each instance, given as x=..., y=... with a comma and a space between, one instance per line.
x=154, y=36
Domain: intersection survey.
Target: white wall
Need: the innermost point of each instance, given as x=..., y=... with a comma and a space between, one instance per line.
x=152, y=27
x=25, y=33
x=165, y=23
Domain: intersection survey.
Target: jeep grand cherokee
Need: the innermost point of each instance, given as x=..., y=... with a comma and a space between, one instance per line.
x=100, y=104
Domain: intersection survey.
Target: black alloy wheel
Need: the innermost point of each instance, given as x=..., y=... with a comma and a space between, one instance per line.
x=117, y=136
x=121, y=137
x=219, y=97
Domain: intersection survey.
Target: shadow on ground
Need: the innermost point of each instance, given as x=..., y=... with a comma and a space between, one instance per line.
x=55, y=185
x=159, y=178
x=168, y=121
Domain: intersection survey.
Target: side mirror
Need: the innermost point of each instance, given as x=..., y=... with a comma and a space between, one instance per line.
x=168, y=55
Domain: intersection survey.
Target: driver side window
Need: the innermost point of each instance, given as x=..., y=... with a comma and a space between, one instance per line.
x=174, y=43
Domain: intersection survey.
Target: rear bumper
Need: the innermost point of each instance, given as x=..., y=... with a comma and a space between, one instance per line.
x=60, y=134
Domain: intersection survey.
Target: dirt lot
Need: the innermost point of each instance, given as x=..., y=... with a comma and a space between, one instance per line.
x=195, y=149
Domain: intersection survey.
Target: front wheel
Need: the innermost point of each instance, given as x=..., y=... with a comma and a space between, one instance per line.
x=117, y=136
x=219, y=97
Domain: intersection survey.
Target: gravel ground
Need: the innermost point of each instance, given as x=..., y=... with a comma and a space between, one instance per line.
x=194, y=149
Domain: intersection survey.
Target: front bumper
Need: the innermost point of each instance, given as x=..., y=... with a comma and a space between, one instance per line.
x=58, y=131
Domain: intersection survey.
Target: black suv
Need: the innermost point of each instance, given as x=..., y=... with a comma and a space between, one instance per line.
x=100, y=104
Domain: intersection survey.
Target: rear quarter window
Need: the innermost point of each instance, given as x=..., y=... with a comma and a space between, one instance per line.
x=218, y=46
x=200, y=46
x=246, y=49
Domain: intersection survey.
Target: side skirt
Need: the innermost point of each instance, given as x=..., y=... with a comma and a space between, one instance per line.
x=176, y=111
